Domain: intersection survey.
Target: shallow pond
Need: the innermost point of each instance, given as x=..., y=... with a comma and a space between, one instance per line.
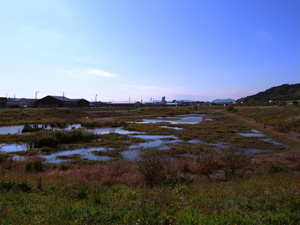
x=179, y=119
x=174, y=128
x=18, y=129
x=13, y=148
x=253, y=133
x=84, y=153
x=112, y=130
x=254, y=151
x=160, y=142
x=130, y=155
x=11, y=129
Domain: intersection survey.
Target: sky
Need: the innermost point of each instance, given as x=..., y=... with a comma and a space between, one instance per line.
x=143, y=50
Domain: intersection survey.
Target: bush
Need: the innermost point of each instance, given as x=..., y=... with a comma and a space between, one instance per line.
x=151, y=167
x=43, y=141
x=36, y=165
x=271, y=167
x=6, y=185
x=53, y=140
x=206, y=161
x=229, y=107
x=233, y=160
x=289, y=125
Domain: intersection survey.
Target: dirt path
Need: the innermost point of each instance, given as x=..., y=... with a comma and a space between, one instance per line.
x=288, y=159
x=293, y=137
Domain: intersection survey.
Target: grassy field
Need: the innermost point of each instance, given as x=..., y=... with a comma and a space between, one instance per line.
x=282, y=118
x=259, y=199
x=163, y=187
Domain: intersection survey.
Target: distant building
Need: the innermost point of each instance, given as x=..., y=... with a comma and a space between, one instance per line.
x=61, y=101
x=171, y=104
x=136, y=104
x=13, y=103
x=163, y=100
x=3, y=102
x=27, y=102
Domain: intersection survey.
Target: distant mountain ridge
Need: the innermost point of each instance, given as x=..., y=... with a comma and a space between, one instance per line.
x=285, y=92
x=227, y=100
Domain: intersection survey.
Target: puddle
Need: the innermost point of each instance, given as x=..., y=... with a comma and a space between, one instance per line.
x=179, y=119
x=188, y=155
x=112, y=130
x=274, y=142
x=11, y=129
x=85, y=153
x=13, y=148
x=156, y=141
x=174, y=128
x=130, y=155
x=18, y=129
x=219, y=144
x=255, y=151
x=19, y=158
x=196, y=142
x=253, y=133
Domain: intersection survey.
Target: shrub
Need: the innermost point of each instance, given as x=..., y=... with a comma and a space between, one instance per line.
x=206, y=161
x=233, y=160
x=271, y=167
x=43, y=141
x=289, y=125
x=53, y=140
x=150, y=166
x=22, y=186
x=36, y=165
x=3, y=158
x=229, y=107
x=6, y=185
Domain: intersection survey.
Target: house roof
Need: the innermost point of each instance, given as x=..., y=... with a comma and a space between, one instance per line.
x=60, y=98
x=65, y=99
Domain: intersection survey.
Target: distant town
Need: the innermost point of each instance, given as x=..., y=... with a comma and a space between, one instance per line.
x=65, y=102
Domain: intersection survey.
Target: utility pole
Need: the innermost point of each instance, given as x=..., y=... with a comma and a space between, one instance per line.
x=36, y=94
x=63, y=99
x=129, y=99
x=96, y=98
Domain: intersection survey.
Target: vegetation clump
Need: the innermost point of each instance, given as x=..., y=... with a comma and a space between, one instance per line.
x=61, y=137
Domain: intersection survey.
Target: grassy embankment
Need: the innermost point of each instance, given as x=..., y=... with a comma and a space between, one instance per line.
x=280, y=123
x=283, y=119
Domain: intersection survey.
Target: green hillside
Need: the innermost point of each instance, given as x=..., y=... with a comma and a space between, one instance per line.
x=284, y=92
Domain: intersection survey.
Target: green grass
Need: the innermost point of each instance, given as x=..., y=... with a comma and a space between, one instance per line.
x=261, y=199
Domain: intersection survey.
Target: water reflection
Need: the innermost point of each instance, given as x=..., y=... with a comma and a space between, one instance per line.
x=160, y=142
x=84, y=153
x=130, y=155
x=180, y=119
x=13, y=148
x=253, y=133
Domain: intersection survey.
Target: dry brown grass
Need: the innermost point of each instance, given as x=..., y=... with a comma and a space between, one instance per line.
x=108, y=173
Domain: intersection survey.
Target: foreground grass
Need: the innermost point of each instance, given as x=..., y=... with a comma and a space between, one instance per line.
x=260, y=199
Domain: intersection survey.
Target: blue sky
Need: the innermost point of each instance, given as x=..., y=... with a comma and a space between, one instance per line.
x=192, y=49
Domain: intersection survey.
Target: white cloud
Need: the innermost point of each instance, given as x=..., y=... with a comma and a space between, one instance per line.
x=83, y=73
x=100, y=73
